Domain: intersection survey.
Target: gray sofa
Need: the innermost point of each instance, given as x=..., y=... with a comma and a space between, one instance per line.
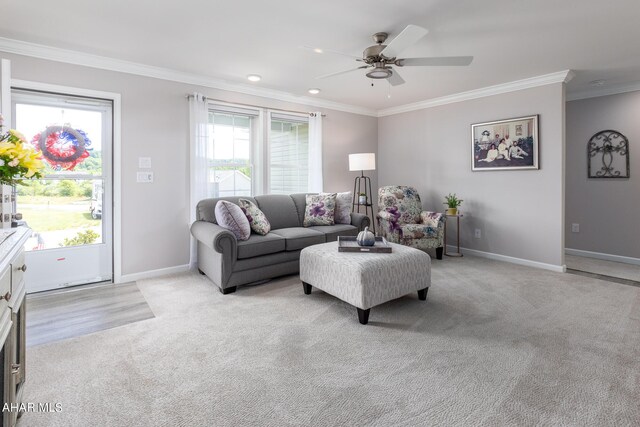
x=229, y=262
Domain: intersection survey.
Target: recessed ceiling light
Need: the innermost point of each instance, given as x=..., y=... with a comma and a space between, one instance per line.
x=314, y=91
x=318, y=50
x=254, y=78
x=598, y=82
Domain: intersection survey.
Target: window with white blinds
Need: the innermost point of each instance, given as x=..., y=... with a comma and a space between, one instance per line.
x=257, y=151
x=232, y=135
x=288, y=154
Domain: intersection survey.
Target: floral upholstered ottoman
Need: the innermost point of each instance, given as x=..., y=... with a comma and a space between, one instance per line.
x=365, y=279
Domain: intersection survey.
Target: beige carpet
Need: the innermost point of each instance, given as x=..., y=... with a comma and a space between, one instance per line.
x=494, y=344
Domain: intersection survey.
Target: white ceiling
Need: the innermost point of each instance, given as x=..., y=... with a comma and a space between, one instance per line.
x=510, y=40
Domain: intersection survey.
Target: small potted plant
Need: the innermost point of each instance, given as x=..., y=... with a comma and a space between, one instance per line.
x=362, y=198
x=452, y=203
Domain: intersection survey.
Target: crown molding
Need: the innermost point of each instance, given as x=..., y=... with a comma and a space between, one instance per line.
x=40, y=51
x=603, y=91
x=34, y=50
x=546, y=79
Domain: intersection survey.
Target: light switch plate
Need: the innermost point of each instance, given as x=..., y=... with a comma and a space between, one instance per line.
x=144, y=162
x=145, y=177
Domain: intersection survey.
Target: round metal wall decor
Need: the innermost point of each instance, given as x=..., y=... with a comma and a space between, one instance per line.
x=63, y=147
x=608, y=155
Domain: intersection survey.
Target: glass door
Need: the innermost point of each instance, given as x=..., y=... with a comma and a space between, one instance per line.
x=69, y=210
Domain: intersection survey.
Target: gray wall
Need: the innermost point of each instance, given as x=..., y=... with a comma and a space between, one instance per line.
x=606, y=209
x=155, y=118
x=520, y=213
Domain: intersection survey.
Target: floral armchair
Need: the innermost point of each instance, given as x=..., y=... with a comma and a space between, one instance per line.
x=402, y=220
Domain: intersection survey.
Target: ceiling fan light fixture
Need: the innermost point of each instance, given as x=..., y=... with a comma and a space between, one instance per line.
x=254, y=77
x=380, y=73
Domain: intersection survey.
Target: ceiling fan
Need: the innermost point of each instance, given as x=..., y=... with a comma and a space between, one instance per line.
x=380, y=57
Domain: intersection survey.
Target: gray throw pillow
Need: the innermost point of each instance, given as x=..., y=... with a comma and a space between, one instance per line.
x=231, y=217
x=320, y=209
x=343, y=207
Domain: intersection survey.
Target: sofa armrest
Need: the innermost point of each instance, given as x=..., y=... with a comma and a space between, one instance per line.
x=217, y=238
x=360, y=221
x=434, y=219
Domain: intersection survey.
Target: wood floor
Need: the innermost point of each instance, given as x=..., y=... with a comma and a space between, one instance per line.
x=54, y=316
x=625, y=274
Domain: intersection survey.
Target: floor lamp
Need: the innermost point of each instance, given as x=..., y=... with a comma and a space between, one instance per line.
x=362, y=184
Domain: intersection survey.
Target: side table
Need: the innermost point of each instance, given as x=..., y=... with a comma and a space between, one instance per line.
x=457, y=217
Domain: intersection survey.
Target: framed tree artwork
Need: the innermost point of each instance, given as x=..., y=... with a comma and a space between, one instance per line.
x=510, y=144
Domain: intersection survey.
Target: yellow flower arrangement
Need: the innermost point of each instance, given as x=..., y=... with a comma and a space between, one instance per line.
x=18, y=159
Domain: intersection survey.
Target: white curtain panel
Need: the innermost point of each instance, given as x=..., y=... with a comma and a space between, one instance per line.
x=199, y=159
x=315, y=152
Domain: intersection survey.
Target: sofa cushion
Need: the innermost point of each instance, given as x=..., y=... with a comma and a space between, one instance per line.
x=258, y=245
x=279, y=209
x=257, y=219
x=231, y=217
x=332, y=232
x=299, y=238
x=320, y=209
x=205, y=210
x=300, y=200
x=342, y=214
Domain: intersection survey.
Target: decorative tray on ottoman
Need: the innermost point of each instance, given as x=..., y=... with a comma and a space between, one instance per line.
x=349, y=244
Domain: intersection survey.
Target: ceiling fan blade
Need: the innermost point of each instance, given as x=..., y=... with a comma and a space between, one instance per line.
x=320, y=50
x=324, y=76
x=436, y=61
x=395, y=79
x=408, y=37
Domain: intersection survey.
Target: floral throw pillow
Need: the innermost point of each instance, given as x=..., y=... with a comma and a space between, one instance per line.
x=231, y=217
x=257, y=219
x=320, y=209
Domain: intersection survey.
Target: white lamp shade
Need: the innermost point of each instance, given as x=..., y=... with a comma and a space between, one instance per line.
x=362, y=162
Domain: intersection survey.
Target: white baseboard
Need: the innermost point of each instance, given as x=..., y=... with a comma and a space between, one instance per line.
x=512, y=260
x=153, y=273
x=606, y=257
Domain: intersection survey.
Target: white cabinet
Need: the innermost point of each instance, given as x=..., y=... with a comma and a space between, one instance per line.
x=12, y=322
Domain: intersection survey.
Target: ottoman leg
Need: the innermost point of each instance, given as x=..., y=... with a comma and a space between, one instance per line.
x=422, y=294
x=307, y=288
x=363, y=315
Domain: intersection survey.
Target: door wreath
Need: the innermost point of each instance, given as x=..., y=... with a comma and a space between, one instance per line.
x=63, y=147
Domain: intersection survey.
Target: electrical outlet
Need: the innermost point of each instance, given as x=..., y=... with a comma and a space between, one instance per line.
x=478, y=233
x=575, y=228
x=145, y=177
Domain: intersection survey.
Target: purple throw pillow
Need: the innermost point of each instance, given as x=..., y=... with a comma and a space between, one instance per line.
x=231, y=217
